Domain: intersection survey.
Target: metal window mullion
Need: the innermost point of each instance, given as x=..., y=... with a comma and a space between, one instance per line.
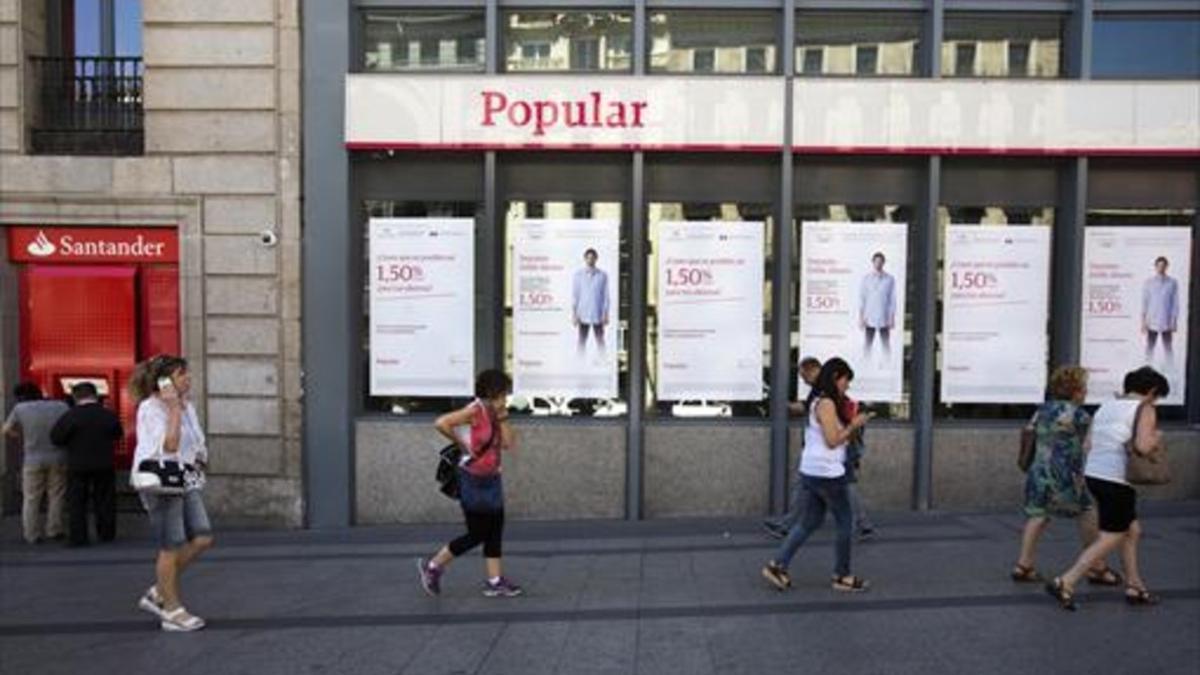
x=1193, y=366
x=924, y=360
x=1066, y=295
x=935, y=23
x=108, y=28
x=636, y=338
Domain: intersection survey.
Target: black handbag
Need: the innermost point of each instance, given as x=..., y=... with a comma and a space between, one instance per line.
x=160, y=476
x=447, y=470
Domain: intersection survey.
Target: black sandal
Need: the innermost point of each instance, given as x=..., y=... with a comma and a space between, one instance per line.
x=850, y=584
x=1105, y=577
x=1023, y=574
x=1059, y=592
x=1140, y=596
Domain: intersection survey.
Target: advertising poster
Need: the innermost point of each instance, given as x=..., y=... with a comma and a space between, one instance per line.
x=995, y=304
x=710, y=308
x=564, y=284
x=852, y=281
x=1135, y=306
x=422, y=290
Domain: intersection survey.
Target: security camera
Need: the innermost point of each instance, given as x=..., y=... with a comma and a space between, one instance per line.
x=268, y=238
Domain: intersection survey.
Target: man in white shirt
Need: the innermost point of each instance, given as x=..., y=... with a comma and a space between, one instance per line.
x=589, y=301
x=877, y=305
x=1160, y=309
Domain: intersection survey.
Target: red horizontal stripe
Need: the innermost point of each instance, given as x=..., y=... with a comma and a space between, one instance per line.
x=807, y=149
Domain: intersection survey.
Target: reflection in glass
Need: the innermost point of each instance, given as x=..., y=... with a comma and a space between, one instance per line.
x=443, y=41
x=993, y=45
x=981, y=215
x=386, y=208
x=659, y=212
x=551, y=41
x=853, y=213
x=1146, y=45
x=879, y=43
x=561, y=406
x=692, y=41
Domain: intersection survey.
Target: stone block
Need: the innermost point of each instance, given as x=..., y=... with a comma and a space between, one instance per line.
x=394, y=463
x=243, y=377
x=239, y=215
x=1183, y=446
x=210, y=131
x=290, y=132
x=245, y=455
x=293, y=420
x=254, y=501
x=243, y=336
x=46, y=174
x=243, y=416
x=243, y=174
x=289, y=13
x=293, y=380
x=289, y=92
x=10, y=90
x=233, y=254
x=10, y=131
x=209, y=11
x=209, y=89
x=293, y=459
x=142, y=175
x=241, y=295
x=292, y=340
x=9, y=55
x=198, y=45
x=683, y=462
x=289, y=51
x=10, y=10
x=976, y=467
x=575, y=471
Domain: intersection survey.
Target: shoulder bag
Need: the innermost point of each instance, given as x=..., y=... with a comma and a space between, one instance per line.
x=450, y=458
x=1028, y=448
x=1148, y=469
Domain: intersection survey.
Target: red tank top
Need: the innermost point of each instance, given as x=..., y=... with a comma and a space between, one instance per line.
x=485, y=442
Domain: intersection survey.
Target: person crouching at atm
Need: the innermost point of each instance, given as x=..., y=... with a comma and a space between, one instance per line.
x=88, y=432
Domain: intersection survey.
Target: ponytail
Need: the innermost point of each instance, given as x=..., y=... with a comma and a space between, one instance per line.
x=143, y=383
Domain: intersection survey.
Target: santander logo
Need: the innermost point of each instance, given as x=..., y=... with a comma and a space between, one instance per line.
x=41, y=246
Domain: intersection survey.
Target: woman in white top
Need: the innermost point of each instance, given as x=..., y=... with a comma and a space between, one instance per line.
x=1125, y=424
x=823, y=474
x=168, y=428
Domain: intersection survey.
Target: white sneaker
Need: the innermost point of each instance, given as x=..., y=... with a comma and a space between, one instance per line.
x=179, y=620
x=151, y=602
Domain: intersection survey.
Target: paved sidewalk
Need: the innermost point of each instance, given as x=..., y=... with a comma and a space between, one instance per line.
x=603, y=597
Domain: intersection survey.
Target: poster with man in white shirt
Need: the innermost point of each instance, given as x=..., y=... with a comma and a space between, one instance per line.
x=589, y=302
x=1160, y=311
x=852, y=301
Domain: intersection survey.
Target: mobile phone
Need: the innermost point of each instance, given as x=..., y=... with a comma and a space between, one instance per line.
x=165, y=383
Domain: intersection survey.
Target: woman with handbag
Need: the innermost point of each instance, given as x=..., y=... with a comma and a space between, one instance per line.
x=483, y=431
x=1121, y=427
x=1054, y=484
x=823, y=474
x=170, y=441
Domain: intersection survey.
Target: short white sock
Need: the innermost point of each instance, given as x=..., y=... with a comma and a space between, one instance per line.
x=493, y=580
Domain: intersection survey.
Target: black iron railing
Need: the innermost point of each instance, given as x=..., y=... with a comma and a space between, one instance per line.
x=88, y=105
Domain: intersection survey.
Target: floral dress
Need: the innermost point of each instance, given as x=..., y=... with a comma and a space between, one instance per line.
x=1054, y=485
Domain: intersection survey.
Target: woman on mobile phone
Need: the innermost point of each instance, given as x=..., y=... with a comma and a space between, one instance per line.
x=168, y=429
x=829, y=430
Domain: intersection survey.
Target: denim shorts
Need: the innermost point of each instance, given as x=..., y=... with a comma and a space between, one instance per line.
x=176, y=519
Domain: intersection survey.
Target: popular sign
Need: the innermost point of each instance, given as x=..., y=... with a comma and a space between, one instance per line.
x=90, y=245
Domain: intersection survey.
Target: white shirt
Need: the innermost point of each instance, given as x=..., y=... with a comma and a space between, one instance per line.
x=877, y=300
x=817, y=459
x=152, y=430
x=589, y=295
x=1112, y=427
x=1160, y=303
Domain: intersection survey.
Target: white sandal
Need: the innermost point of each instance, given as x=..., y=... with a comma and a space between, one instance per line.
x=179, y=621
x=151, y=602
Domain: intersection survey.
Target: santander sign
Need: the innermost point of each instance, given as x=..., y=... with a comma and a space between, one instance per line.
x=90, y=245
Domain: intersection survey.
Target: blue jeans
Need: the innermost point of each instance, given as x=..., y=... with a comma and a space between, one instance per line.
x=821, y=495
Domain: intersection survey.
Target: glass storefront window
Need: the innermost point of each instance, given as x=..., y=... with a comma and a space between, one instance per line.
x=659, y=212
x=694, y=41
x=413, y=41
x=854, y=213
x=981, y=215
x=1146, y=46
x=858, y=44
x=1002, y=45
x=556, y=41
x=386, y=208
x=616, y=336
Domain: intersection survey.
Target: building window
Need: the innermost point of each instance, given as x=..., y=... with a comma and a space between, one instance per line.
x=415, y=41
x=1146, y=46
x=713, y=41
x=567, y=41
x=857, y=43
x=982, y=45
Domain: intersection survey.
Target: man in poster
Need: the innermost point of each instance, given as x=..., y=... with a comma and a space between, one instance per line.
x=589, y=301
x=877, y=306
x=1160, y=310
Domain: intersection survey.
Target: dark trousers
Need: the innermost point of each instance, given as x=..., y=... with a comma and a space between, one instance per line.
x=97, y=486
x=597, y=330
x=482, y=528
x=1152, y=337
x=885, y=337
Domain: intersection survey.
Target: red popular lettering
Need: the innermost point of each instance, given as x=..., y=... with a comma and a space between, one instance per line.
x=593, y=111
x=493, y=102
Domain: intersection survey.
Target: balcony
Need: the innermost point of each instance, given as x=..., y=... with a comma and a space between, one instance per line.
x=87, y=106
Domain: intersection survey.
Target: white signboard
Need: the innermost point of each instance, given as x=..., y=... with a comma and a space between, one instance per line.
x=852, y=282
x=995, y=303
x=1135, y=306
x=564, y=285
x=710, y=308
x=422, y=306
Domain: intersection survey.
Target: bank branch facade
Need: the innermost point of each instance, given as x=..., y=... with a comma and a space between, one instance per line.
x=648, y=212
